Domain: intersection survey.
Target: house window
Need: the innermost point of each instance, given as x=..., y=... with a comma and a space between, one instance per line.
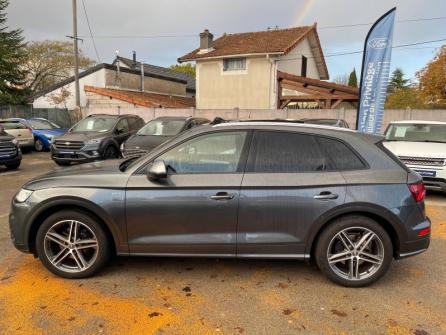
x=234, y=64
x=303, y=69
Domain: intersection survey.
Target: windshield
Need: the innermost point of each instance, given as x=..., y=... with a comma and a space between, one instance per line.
x=162, y=128
x=417, y=132
x=99, y=124
x=42, y=124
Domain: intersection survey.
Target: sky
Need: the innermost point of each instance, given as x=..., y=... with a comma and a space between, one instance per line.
x=163, y=30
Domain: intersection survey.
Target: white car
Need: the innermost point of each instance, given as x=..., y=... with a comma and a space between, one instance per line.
x=421, y=145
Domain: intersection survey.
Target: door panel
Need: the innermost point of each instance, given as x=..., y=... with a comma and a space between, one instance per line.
x=179, y=216
x=278, y=209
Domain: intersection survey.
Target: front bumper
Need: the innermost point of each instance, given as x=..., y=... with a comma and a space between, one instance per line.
x=11, y=160
x=76, y=156
x=18, y=218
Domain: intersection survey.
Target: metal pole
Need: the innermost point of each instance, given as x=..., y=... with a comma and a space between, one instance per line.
x=76, y=55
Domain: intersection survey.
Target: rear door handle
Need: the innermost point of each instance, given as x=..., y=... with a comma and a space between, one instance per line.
x=326, y=196
x=222, y=196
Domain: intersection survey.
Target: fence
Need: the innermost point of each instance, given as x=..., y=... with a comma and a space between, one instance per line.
x=60, y=116
x=347, y=114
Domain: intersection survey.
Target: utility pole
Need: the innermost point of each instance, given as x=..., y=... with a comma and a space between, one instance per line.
x=76, y=55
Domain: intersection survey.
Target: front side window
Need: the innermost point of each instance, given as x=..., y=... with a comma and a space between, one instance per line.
x=94, y=124
x=212, y=153
x=416, y=132
x=281, y=152
x=234, y=64
x=122, y=126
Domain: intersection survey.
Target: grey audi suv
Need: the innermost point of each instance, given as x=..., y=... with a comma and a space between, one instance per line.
x=234, y=189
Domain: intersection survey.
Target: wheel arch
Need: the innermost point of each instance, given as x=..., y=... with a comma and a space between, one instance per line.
x=380, y=215
x=48, y=209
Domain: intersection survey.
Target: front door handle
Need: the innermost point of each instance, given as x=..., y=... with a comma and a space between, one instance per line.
x=326, y=196
x=222, y=196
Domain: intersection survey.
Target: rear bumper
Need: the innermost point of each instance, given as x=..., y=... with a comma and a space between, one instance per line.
x=415, y=247
x=26, y=143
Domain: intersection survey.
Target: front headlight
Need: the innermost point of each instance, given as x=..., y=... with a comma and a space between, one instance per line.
x=92, y=142
x=14, y=141
x=50, y=137
x=122, y=147
x=23, y=195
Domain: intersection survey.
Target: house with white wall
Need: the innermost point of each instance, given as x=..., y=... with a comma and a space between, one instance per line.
x=269, y=69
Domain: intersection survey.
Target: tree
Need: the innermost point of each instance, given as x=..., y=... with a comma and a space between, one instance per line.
x=184, y=68
x=405, y=98
x=397, y=81
x=432, y=79
x=49, y=62
x=353, y=79
x=12, y=56
x=341, y=79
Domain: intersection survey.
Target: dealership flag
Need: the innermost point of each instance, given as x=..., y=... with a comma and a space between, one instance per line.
x=375, y=74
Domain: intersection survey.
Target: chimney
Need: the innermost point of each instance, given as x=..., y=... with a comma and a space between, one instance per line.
x=134, y=57
x=206, y=39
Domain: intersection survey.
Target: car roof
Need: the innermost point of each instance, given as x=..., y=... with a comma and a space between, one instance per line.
x=283, y=124
x=115, y=116
x=417, y=122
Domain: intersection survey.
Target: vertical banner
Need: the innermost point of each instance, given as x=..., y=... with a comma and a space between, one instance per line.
x=375, y=74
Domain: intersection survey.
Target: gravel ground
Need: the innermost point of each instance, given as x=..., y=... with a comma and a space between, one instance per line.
x=211, y=296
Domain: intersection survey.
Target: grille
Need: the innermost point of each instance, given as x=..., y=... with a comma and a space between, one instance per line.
x=7, y=148
x=423, y=161
x=68, y=145
x=133, y=152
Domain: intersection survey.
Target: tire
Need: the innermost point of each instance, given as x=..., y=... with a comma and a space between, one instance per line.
x=62, y=163
x=372, y=262
x=63, y=258
x=38, y=145
x=111, y=152
x=13, y=166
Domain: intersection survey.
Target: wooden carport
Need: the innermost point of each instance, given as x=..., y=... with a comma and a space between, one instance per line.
x=326, y=94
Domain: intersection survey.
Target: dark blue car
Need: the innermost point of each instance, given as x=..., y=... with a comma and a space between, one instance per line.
x=43, y=130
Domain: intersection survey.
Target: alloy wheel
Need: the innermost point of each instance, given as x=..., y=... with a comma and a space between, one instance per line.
x=355, y=253
x=71, y=246
x=38, y=145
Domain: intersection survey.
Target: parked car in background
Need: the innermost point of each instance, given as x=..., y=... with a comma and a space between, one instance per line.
x=10, y=154
x=21, y=132
x=96, y=137
x=158, y=131
x=328, y=122
x=43, y=131
x=234, y=189
x=421, y=145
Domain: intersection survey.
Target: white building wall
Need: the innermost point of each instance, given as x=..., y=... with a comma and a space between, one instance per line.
x=292, y=62
x=94, y=79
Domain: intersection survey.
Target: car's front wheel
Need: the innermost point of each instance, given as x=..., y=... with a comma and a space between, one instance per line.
x=72, y=244
x=38, y=145
x=354, y=251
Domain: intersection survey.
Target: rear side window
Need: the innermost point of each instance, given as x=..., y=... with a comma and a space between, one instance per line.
x=281, y=152
x=135, y=123
x=341, y=155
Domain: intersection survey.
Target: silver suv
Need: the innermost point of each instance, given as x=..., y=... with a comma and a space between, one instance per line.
x=236, y=189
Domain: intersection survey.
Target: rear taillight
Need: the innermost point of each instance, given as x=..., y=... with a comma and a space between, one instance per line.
x=418, y=191
x=30, y=130
x=424, y=231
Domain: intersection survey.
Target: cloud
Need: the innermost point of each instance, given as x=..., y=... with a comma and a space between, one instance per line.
x=51, y=19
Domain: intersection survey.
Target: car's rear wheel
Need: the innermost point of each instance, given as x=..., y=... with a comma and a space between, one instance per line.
x=354, y=251
x=72, y=244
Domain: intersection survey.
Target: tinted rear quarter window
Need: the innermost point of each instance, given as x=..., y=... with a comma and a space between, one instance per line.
x=341, y=155
x=282, y=152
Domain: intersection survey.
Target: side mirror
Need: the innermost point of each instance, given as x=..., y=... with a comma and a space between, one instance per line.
x=157, y=171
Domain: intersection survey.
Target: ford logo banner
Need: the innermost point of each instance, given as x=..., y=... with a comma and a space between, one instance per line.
x=375, y=74
x=378, y=43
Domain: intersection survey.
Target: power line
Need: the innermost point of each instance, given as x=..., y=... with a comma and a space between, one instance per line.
x=320, y=28
x=91, y=32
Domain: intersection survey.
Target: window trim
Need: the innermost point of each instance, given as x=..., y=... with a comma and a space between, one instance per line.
x=241, y=165
x=249, y=164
